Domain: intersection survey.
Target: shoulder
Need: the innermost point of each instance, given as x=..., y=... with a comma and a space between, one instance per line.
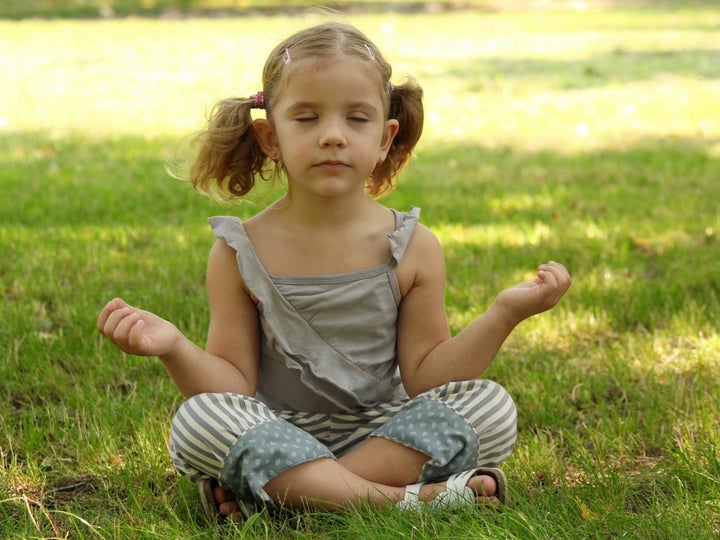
x=423, y=243
x=423, y=236
x=423, y=260
x=224, y=281
x=222, y=262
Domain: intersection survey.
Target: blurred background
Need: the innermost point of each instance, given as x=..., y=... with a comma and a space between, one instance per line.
x=172, y=8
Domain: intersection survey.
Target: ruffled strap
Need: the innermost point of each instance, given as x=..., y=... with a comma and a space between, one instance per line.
x=400, y=237
x=231, y=230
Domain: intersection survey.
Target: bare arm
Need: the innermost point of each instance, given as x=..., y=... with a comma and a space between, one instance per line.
x=229, y=363
x=428, y=355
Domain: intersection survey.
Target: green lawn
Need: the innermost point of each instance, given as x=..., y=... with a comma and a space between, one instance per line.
x=589, y=137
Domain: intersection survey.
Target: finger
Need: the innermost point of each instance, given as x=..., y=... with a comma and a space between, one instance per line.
x=106, y=312
x=135, y=332
x=124, y=320
x=558, y=268
x=561, y=274
x=547, y=277
x=116, y=324
x=119, y=302
x=563, y=277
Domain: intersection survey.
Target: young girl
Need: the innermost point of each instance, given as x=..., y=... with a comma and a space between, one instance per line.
x=329, y=376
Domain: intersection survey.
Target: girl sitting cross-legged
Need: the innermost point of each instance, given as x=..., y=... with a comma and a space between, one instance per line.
x=330, y=377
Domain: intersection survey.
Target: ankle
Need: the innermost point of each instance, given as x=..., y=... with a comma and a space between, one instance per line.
x=482, y=486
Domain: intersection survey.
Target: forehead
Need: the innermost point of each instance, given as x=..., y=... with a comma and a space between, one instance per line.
x=340, y=77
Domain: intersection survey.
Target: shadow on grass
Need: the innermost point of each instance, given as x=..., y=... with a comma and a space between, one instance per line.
x=78, y=181
x=47, y=181
x=627, y=222
x=620, y=66
x=637, y=226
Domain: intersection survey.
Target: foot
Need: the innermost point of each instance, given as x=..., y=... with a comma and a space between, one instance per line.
x=226, y=503
x=483, y=486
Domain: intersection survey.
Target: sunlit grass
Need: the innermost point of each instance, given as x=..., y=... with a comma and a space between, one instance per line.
x=511, y=72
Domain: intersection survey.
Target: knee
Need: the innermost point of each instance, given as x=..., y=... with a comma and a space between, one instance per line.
x=495, y=424
x=206, y=426
x=496, y=407
x=226, y=413
x=485, y=405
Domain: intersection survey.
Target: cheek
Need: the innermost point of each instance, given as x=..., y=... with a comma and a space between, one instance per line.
x=291, y=140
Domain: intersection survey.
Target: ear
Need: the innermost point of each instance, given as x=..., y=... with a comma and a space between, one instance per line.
x=390, y=130
x=266, y=138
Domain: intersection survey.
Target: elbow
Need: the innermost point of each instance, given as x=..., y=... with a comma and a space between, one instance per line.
x=414, y=387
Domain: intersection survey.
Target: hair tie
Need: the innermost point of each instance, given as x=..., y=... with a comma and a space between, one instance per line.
x=391, y=87
x=286, y=56
x=258, y=100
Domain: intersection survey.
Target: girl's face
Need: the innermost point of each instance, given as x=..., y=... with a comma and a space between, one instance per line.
x=329, y=126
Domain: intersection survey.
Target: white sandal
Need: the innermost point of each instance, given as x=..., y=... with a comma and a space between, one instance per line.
x=457, y=493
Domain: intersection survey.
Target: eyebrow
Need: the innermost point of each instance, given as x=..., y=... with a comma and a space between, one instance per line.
x=312, y=104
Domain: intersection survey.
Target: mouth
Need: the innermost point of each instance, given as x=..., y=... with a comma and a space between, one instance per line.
x=332, y=165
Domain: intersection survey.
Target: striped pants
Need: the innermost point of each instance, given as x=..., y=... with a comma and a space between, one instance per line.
x=244, y=444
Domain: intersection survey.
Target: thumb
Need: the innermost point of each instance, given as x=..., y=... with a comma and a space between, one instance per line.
x=136, y=334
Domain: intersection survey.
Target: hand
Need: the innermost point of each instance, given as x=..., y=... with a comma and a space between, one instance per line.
x=135, y=331
x=532, y=297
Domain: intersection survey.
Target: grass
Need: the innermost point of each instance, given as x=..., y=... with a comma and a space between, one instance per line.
x=587, y=137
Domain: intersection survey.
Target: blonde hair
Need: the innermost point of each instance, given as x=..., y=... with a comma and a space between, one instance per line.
x=229, y=158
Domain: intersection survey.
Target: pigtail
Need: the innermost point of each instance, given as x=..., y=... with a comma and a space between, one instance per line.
x=229, y=157
x=406, y=107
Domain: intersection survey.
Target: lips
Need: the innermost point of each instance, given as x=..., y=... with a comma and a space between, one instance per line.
x=332, y=165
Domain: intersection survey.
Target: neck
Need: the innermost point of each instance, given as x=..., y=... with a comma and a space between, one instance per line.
x=325, y=212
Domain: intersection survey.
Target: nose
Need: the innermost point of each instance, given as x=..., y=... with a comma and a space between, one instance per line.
x=332, y=134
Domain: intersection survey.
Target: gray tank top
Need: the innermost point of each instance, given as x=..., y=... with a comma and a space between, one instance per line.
x=327, y=342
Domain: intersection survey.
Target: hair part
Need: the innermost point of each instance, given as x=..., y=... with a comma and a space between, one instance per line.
x=229, y=158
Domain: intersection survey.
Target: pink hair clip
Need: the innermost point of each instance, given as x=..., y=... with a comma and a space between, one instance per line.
x=258, y=100
x=369, y=50
x=286, y=56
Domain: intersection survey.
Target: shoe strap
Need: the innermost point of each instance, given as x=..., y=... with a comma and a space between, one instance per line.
x=411, y=499
x=412, y=492
x=458, y=482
